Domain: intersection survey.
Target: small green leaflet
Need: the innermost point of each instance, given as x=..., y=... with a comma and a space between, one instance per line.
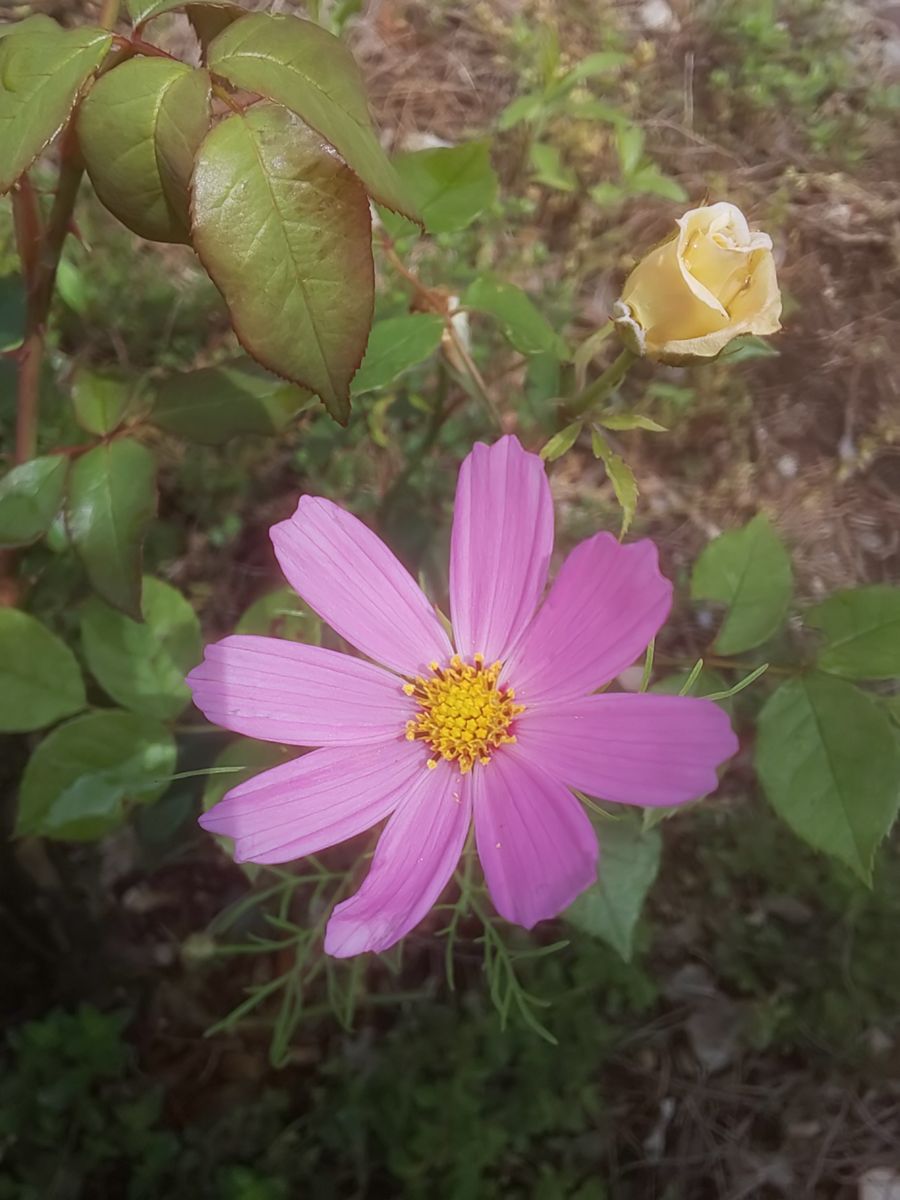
x=395, y=345
x=30, y=497
x=522, y=324
x=450, y=185
x=100, y=400
x=748, y=570
x=620, y=476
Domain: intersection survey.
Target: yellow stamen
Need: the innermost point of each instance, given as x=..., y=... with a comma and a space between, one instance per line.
x=464, y=716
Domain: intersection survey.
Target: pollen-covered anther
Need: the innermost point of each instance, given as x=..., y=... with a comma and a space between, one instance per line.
x=463, y=714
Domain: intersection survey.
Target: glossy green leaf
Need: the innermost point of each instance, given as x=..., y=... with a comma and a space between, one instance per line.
x=861, y=627
x=30, y=497
x=100, y=400
x=749, y=570
x=395, y=345
x=40, y=680
x=214, y=404
x=12, y=311
x=828, y=759
x=629, y=862
x=139, y=129
x=526, y=328
x=83, y=777
x=43, y=70
x=620, y=476
x=111, y=501
x=142, y=11
x=281, y=614
x=300, y=65
x=451, y=186
x=284, y=230
x=142, y=665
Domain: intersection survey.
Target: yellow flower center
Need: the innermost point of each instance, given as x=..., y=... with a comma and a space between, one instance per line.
x=463, y=715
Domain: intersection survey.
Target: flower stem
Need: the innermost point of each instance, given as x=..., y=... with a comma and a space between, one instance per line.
x=603, y=385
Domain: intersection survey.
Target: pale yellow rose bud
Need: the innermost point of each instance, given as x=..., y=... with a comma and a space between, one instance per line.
x=715, y=279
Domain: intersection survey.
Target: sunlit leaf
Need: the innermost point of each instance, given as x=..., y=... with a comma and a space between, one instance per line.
x=300, y=65
x=214, y=404
x=30, y=497
x=829, y=762
x=100, y=400
x=40, y=680
x=83, y=776
x=525, y=327
x=111, y=501
x=861, y=627
x=43, y=70
x=625, y=421
x=139, y=129
x=748, y=570
x=629, y=862
x=284, y=229
x=142, y=665
x=451, y=185
x=561, y=442
x=395, y=345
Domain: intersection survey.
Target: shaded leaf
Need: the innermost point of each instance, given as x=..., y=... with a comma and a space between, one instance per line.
x=749, y=570
x=30, y=497
x=281, y=614
x=829, y=763
x=142, y=665
x=43, y=70
x=610, y=908
x=209, y=20
x=549, y=168
x=83, y=776
x=620, y=476
x=300, y=65
x=525, y=327
x=214, y=404
x=861, y=627
x=395, y=345
x=139, y=129
x=111, y=501
x=451, y=186
x=284, y=229
x=100, y=400
x=40, y=680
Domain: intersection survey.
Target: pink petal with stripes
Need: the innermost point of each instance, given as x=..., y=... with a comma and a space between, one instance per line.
x=349, y=577
x=635, y=749
x=299, y=695
x=606, y=604
x=414, y=860
x=537, y=847
x=501, y=546
x=317, y=800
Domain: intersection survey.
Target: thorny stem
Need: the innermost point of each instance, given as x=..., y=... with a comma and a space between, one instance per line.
x=603, y=385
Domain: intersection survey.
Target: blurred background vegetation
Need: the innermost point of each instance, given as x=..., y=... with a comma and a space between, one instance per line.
x=748, y=1044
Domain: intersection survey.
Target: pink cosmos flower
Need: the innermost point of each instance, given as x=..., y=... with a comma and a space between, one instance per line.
x=500, y=725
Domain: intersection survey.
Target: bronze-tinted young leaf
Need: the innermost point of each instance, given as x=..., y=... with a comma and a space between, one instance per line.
x=214, y=404
x=302, y=66
x=30, y=497
x=142, y=11
x=111, y=500
x=139, y=129
x=283, y=227
x=43, y=70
